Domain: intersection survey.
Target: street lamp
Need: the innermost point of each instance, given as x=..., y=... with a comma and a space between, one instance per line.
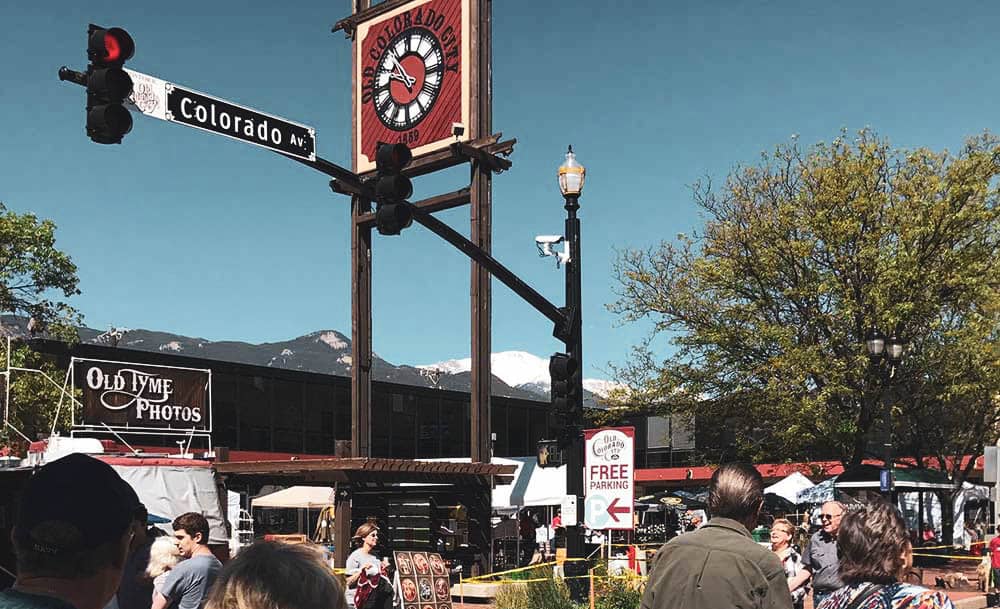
x=571, y=177
x=890, y=350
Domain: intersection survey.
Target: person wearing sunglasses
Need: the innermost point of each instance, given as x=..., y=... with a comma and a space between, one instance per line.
x=820, y=560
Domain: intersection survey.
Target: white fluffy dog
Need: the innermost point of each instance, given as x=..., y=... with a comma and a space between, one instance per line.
x=163, y=556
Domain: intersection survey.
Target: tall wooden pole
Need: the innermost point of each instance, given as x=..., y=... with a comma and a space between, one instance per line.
x=361, y=297
x=481, y=220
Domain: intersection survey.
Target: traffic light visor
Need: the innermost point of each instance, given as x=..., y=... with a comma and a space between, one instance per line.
x=392, y=157
x=107, y=124
x=113, y=45
x=562, y=366
x=393, y=188
x=113, y=82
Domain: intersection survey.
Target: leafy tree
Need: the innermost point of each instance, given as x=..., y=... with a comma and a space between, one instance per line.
x=800, y=255
x=35, y=277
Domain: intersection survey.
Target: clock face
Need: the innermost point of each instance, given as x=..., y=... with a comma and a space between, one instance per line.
x=412, y=77
x=408, y=79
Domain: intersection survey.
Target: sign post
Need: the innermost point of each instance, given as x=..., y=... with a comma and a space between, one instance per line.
x=608, y=478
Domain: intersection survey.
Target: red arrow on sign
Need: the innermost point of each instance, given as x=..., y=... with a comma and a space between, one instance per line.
x=614, y=509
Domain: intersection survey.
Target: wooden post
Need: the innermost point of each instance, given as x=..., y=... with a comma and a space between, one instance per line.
x=481, y=218
x=361, y=302
x=342, y=525
x=591, y=589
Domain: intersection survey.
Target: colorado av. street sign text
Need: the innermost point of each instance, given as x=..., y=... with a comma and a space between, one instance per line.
x=171, y=102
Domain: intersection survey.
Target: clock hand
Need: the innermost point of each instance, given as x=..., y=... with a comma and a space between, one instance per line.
x=403, y=76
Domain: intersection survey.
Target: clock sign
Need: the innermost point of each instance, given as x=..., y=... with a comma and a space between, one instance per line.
x=412, y=77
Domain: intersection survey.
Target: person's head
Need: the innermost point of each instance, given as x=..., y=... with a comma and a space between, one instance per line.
x=163, y=555
x=781, y=533
x=275, y=575
x=872, y=545
x=830, y=516
x=74, y=522
x=366, y=535
x=736, y=491
x=190, y=532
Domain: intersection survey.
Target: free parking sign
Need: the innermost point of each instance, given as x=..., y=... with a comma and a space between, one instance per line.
x=609, y=486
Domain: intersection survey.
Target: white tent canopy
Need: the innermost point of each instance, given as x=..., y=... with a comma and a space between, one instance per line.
x=532, y=485
x=790, y=486
x=910, y=503
x=305, y=497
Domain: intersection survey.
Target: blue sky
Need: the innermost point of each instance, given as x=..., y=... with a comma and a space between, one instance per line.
x=183, y=231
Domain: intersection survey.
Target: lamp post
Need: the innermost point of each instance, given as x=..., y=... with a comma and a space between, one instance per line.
x=571, y=177
x=891, y=351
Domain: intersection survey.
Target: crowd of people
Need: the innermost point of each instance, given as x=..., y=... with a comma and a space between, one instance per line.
x=81, y=542
x=98, y=554
x=858, y=559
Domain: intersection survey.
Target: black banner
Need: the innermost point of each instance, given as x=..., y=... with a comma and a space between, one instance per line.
x=124, y=395
x=225, y=118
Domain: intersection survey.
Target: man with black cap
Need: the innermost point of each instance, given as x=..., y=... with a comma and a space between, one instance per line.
x=72, y=533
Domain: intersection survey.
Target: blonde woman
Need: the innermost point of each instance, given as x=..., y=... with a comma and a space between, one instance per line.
x=163, y=556
x=275, y=575
x=782, y=531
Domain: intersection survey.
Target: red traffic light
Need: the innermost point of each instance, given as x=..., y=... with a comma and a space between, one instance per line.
x=109, y=46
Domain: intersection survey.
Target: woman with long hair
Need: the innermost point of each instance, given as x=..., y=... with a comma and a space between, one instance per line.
x=368, y=587
x=875, y=554
x=782, y=531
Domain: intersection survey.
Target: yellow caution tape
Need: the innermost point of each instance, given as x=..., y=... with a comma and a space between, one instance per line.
x=487, y=576
x=948, y=556
x=506, y=582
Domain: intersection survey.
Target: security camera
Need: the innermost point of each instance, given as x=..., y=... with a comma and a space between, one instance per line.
x=548, y=239
x=544, y=244
x=457, y=129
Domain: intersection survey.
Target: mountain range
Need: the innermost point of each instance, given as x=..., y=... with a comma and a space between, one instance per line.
x=516, y=374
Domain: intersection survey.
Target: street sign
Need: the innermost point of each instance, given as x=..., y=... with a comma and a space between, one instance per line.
x=177, y=104
x=885, y=480
x=608, y=482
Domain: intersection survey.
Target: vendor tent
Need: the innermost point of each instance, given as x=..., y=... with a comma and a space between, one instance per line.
x=304, y=497
x=531, y=485
x=788, y=488
x=670, y=499
x=866, y=476
x=910, y=504
x=819, y=493
x=171, y=487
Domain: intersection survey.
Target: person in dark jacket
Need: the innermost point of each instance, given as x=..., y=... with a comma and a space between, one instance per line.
x=720, y=565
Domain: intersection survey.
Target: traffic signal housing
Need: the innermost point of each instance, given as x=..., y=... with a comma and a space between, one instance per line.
x=567, y=401
x=108, y=84
x=392, y=188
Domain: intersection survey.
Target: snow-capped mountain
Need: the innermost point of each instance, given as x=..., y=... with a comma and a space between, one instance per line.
x=521, y=370
x=516, y=374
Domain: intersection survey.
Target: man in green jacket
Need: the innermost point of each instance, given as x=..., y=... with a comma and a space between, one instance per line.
x=720, y=565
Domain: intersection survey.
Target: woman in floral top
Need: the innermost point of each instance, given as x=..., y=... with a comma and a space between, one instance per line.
x=875, y=553
x=782, y=531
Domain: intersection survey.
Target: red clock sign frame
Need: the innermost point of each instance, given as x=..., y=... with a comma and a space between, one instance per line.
x=412, y=76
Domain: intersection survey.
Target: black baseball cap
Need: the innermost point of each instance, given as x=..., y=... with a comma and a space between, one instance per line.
x=85, y=495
